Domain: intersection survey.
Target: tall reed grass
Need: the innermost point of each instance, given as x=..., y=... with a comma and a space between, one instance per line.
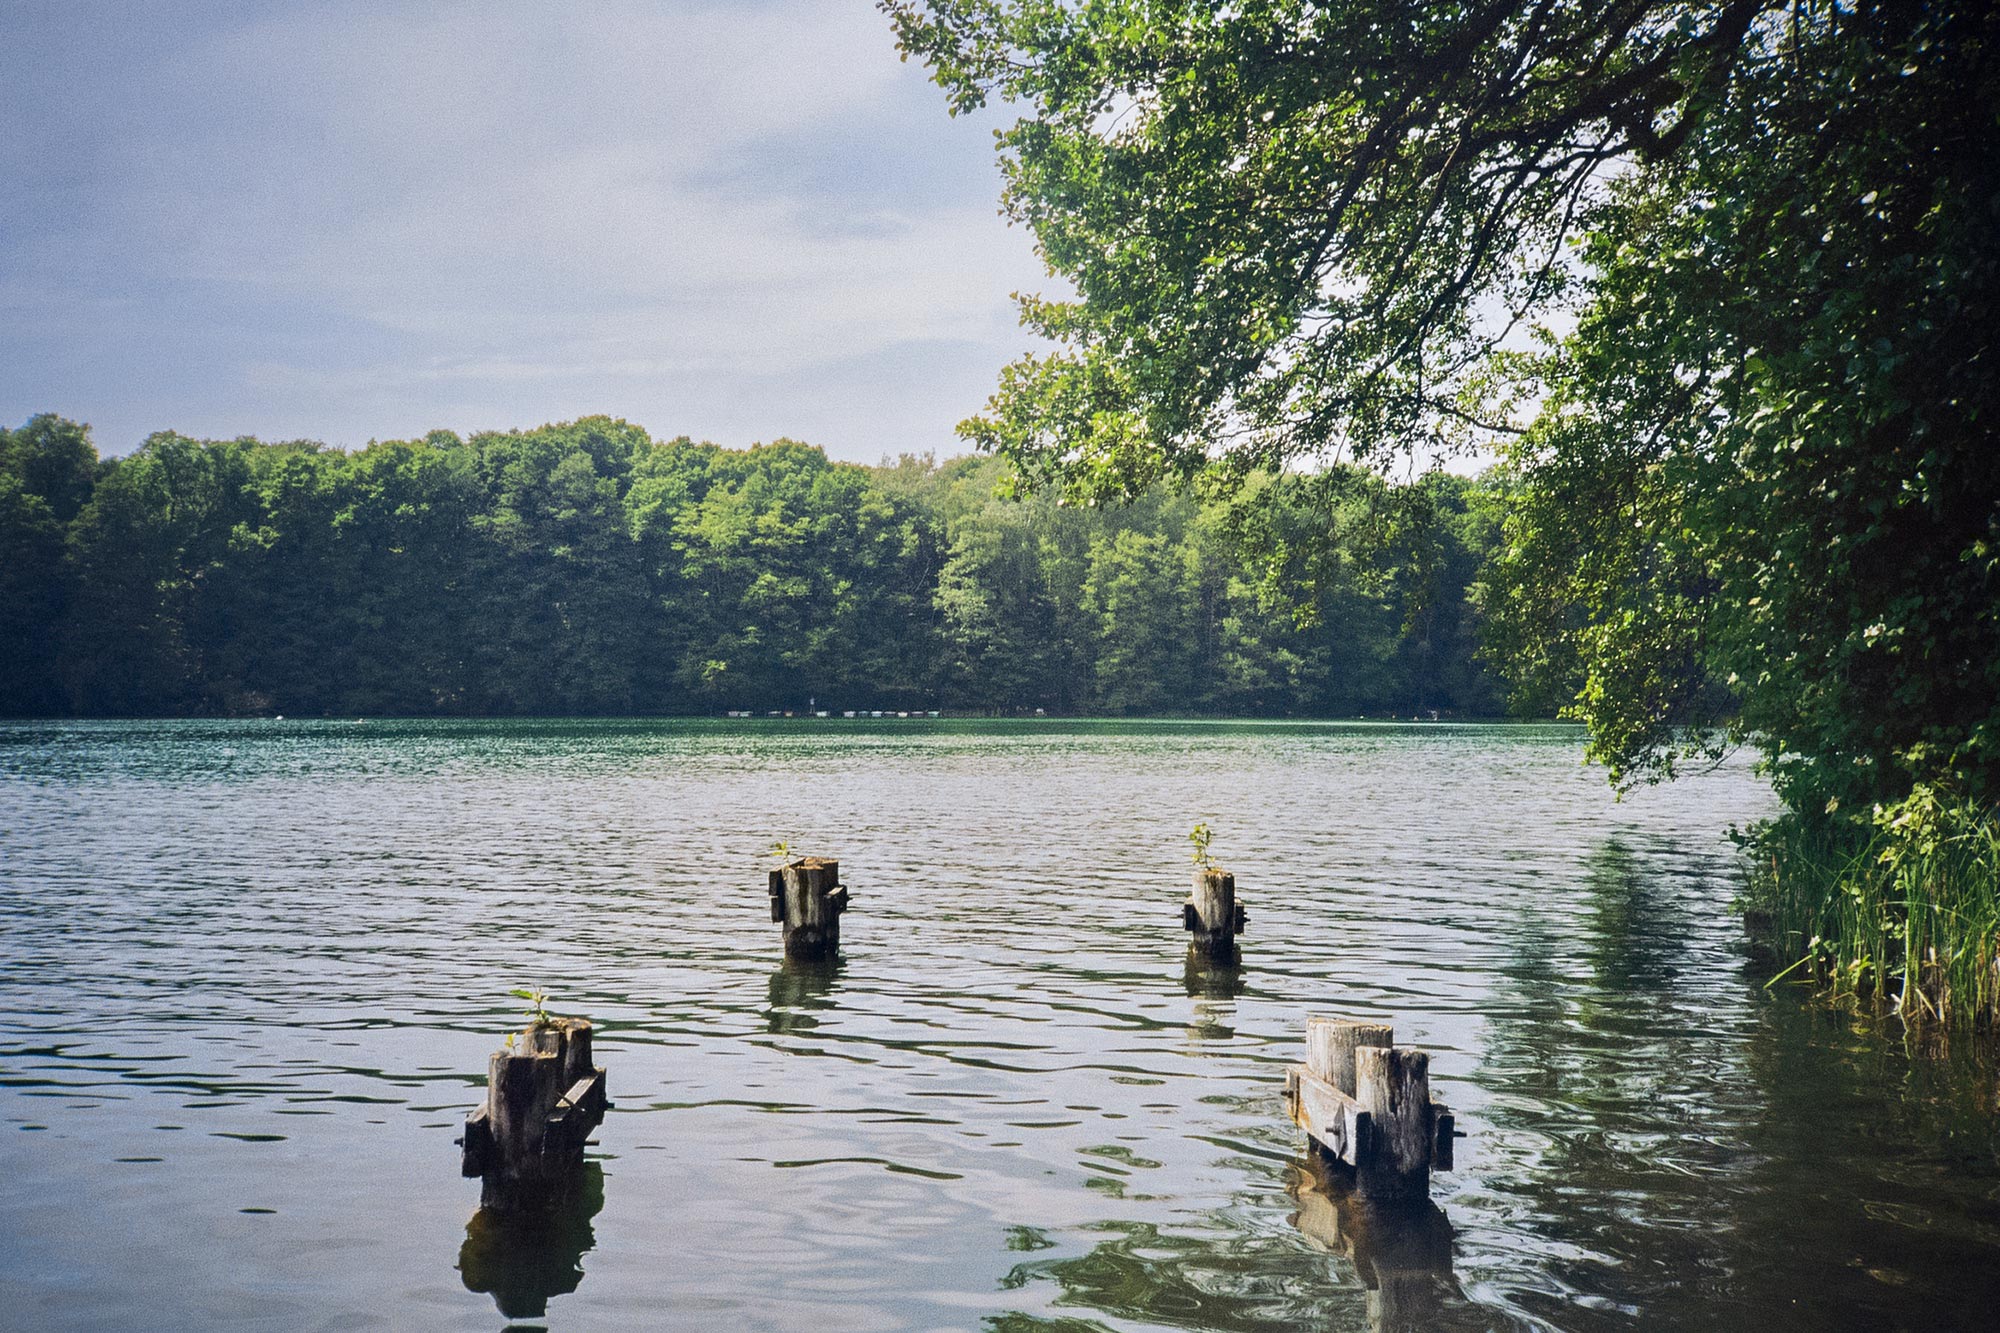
x=1903, y=906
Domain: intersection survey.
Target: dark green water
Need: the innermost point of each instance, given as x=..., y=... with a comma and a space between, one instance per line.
x=250, y=974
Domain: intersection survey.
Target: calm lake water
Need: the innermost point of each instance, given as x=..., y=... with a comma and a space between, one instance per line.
x=250, y=974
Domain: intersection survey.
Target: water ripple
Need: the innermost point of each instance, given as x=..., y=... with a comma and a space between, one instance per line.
x=250, y=974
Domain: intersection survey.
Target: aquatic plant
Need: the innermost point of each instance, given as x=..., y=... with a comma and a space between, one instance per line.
x=1900, y=905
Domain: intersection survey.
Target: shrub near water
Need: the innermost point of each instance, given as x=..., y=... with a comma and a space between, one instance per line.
x=1903, y=904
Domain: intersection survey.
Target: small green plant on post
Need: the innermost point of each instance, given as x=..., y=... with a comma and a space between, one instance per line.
x=1201, y=836
x=1211, y=912
x=537, y=1012
x=807, y=899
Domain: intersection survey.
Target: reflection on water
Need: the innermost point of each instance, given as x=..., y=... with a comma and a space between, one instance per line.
x=250, y=974
x=522, y=1259
x=1211, y=979
x=800, y=987
x=1401, y=1252
x=1213, y=985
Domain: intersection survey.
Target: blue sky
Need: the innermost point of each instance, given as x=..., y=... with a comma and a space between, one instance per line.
x=736, y=220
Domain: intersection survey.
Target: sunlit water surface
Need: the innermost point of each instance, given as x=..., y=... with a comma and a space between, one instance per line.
x=250, y=974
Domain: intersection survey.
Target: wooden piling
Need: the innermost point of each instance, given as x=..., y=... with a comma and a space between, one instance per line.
x=1331, y=1043
x=1212, y=913
x=807, y=898
x=1366, y=1103
x=1393, y=1084
x=543, y=1099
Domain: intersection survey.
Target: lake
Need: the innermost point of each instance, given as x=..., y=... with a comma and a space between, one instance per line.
x=251, y=972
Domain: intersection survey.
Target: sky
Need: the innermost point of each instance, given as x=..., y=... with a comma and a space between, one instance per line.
x=736, y=220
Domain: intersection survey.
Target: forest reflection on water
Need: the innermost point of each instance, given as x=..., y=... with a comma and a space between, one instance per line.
x=250, y=974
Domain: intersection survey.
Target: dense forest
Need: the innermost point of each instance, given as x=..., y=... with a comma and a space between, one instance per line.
x=586, y=568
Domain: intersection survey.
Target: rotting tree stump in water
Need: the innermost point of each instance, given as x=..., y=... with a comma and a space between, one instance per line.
x=543, y=1099
x=807, y=898
x=1366, y=1103
x=1212, y=914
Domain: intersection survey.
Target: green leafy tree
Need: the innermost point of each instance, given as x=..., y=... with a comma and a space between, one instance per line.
x=33, y=589
x=1139, y=591
x=584, y=568
x=48, y=468
x=558, y=587
x=53, y=460
x=145, y=552
x=403, y=632
x=1011, y=613
x=1759, y=485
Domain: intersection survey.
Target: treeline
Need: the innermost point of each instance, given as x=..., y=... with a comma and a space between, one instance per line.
x=588, y=569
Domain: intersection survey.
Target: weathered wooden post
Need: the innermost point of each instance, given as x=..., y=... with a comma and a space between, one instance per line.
x=1331, y=1043
x=807, y=897
x=543, y=1098
x=1366, y=1102
x=1393, y=1083
x=1212, y=913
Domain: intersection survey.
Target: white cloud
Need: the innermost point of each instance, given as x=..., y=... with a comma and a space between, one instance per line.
x=562, y=200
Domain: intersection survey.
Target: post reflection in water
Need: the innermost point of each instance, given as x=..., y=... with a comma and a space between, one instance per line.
x=522, y=1260
x=1209, y=979
x=1214, y=986
x=1401, y=1252
x=799, y=988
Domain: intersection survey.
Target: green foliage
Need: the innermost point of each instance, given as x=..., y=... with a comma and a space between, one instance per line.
x=587, y=569
x=1295, y=224
x=1781, y=389
x=1139, y=596
x=1732, y=262
x=537, y=1012
x=34, y=586
x=1201, y=835
x=1902, y=904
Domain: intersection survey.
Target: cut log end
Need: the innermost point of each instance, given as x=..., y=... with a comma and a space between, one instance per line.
x=1332, y=1042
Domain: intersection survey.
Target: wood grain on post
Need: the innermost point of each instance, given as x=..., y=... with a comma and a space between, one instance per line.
x=521, y=1092
x=1331, y=1119
x=1394, y=1085
x=809, y=898
x=1331, y=1043
x=1211, y=912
